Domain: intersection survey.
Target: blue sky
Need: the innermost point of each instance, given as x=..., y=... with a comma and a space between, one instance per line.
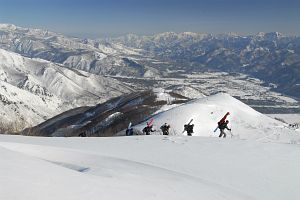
x=96, y=18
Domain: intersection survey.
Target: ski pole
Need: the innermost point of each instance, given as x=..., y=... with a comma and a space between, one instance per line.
x=231, y=134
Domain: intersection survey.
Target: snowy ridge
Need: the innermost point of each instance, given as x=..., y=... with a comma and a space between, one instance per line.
x=206, y=112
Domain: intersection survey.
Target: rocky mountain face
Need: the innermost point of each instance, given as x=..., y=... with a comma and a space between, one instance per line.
x=272, y=57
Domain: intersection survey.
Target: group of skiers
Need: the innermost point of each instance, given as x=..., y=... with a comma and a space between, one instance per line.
x=164, y=128
x=189, y=128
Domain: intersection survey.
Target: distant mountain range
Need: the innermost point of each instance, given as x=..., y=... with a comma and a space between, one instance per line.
x=272, y=57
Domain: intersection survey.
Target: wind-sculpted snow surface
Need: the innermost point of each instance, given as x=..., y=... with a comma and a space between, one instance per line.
x=147, y=167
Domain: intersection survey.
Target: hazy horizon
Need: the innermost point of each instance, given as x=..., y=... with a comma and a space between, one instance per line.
x=110, y=18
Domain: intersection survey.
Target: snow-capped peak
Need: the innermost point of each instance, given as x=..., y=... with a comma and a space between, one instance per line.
x=8, y=27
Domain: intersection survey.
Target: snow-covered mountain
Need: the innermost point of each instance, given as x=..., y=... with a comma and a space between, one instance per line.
x=272, y=57
x=245, y=122
x=33, y=90
x=165, y=55
x=84, y=54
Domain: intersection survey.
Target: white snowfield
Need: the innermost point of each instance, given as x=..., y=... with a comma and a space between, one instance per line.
x=260, y=162
x=147, y=167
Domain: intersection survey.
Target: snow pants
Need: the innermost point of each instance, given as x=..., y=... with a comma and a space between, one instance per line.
x=222, y=133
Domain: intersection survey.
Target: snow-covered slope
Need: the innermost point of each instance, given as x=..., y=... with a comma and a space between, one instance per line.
x=33, y=90
x=260, y=162
x=206, y=112
x=147, y=167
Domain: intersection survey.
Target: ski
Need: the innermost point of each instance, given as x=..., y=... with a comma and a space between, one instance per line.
x=129, y=125
x=150, y=122
x=188, y=124
x=222, y=120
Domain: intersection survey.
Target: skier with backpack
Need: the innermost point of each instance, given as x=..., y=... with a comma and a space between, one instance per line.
x=83, y=134
x=165, y=129
x=189, y=128
x=148, y=129
x=222, y=120
x=129, y=130
x=222, y=127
